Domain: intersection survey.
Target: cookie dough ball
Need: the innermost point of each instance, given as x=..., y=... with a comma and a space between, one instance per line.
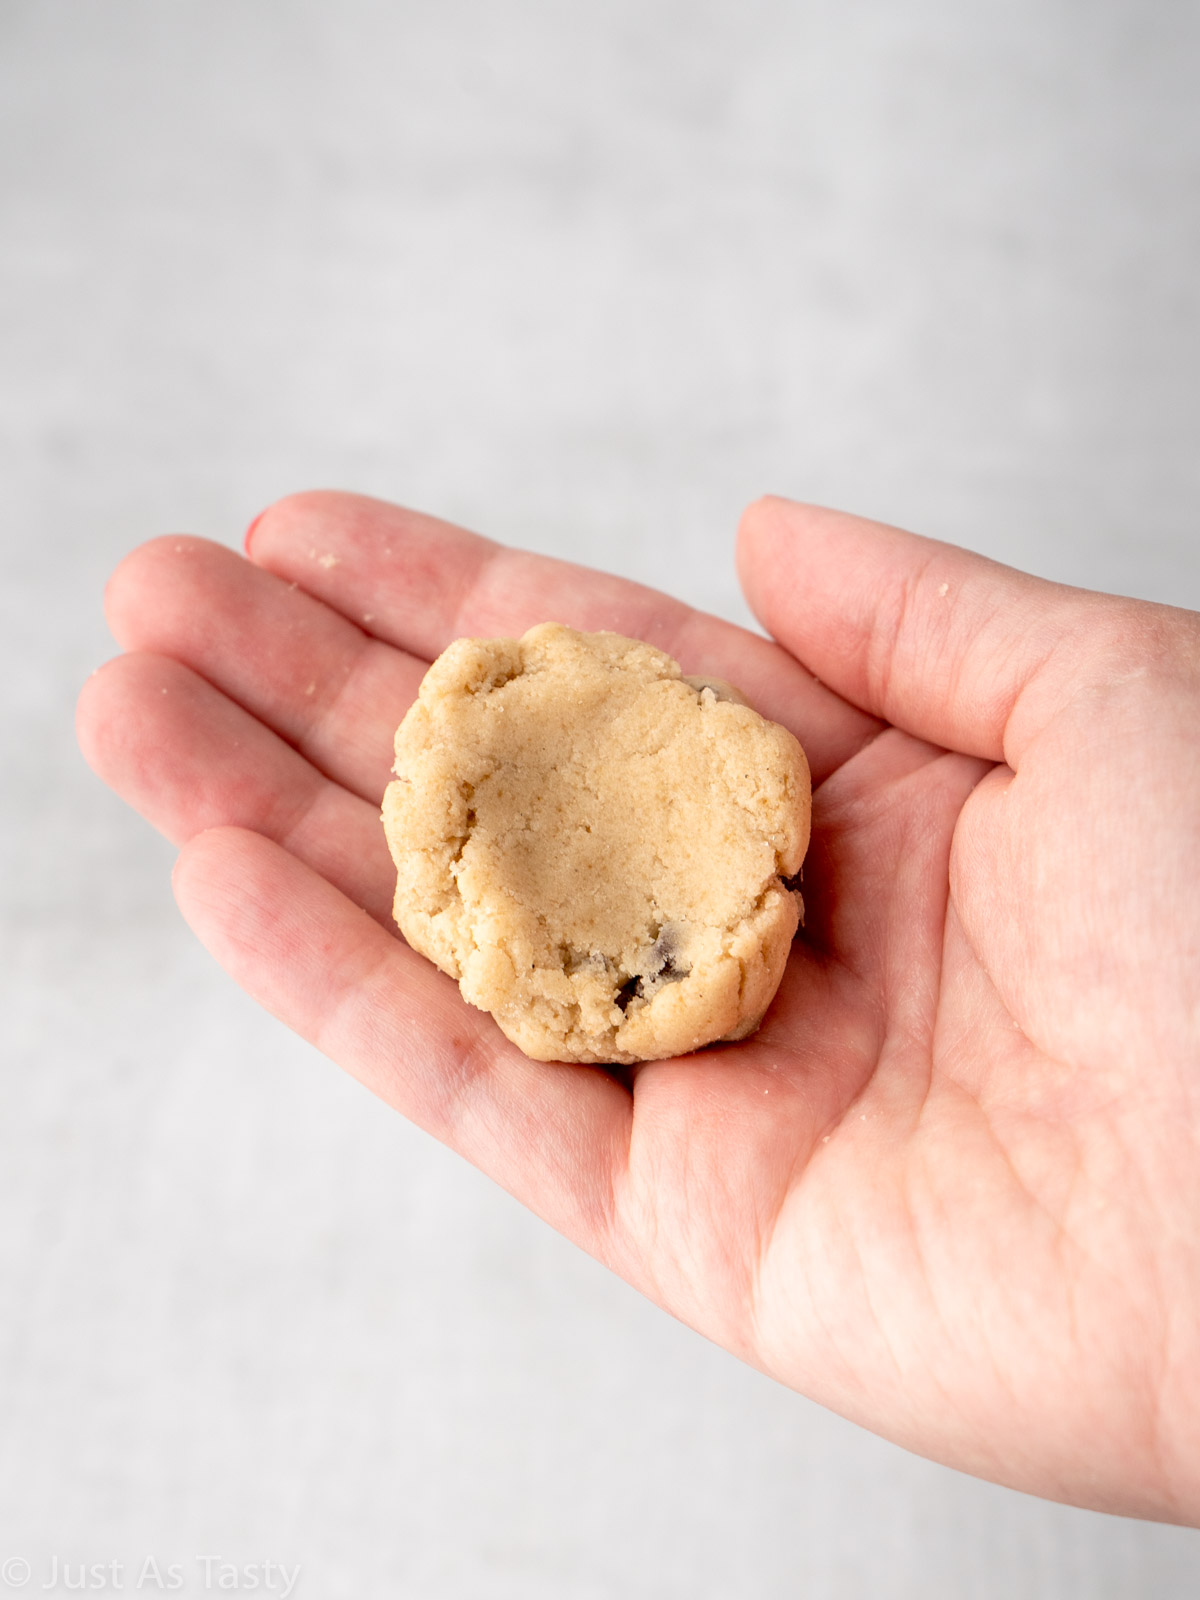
x=595, y=846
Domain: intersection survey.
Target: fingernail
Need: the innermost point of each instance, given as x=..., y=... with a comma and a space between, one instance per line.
x=250, y=531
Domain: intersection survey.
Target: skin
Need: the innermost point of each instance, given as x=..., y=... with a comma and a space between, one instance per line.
x=951, y=1189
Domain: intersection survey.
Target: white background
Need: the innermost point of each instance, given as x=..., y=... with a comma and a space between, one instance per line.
x=587, y=277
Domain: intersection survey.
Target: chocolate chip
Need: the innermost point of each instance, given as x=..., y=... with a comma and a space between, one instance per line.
x=592, y=961
x=661, y=952
x=661, y=965
x=632, y=990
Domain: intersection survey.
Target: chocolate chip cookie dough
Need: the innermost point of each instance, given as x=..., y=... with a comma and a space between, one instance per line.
x=596, y=846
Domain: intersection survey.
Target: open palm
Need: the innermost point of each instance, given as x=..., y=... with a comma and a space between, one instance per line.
x=951, y=1188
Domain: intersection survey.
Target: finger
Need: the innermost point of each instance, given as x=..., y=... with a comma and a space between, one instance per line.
x=556, y=1137
x=952, y=647
x=306, y=671
x=420, y=583
x=187, y=758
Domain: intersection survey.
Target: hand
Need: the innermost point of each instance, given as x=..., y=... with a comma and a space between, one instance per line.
x=951, y=1189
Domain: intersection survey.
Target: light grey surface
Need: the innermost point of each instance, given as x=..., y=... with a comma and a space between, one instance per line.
x=587, y=278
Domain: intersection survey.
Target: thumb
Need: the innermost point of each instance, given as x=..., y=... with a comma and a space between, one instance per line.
x=950, y=646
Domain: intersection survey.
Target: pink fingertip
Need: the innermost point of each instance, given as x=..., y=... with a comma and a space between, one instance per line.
x=250, y=531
